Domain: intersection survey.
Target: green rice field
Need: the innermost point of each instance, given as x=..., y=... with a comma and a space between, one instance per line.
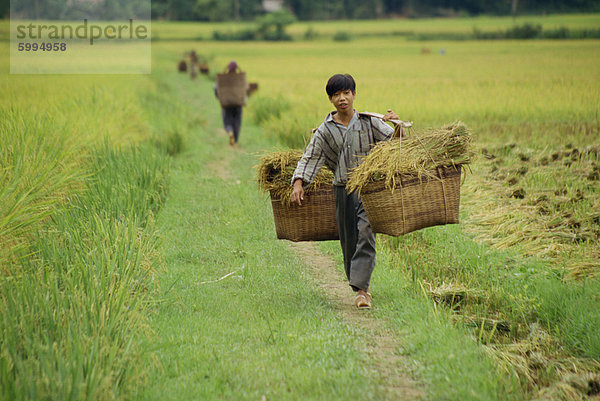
x=119, y=198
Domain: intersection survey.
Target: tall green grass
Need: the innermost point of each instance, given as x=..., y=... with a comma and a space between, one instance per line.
x=266, y=108
x=84, y=164
x=72, y=310
x=47, y=127
x=36, y=172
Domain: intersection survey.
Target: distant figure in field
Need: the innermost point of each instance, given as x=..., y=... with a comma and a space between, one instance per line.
x=193, y=64
x=231, y=110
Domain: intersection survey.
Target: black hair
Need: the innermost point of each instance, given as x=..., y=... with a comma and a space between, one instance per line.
x=340, y=82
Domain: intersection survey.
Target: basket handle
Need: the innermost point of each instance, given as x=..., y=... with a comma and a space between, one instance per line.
x=441, y=176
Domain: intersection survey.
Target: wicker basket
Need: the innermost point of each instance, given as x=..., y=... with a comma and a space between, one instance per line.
x=313, y=221
x=415, y=202
x=231, y=89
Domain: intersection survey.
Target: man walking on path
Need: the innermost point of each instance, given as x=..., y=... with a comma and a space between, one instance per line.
x=340, y=141
x=232, y=115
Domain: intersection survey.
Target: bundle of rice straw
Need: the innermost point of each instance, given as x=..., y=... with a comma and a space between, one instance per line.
x=419, y=153
x=275, y=172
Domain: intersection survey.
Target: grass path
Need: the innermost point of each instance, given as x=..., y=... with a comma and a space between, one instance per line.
x=382, y=345
x=270, y=327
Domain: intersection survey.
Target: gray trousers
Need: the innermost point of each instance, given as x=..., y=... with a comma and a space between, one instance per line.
x=356, y=238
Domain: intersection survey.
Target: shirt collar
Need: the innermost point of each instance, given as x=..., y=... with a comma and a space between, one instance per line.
x=330, y=119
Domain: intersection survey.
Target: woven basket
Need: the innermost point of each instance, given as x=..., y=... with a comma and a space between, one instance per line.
x=231, y=89
x=415, y=203
x=313, y=221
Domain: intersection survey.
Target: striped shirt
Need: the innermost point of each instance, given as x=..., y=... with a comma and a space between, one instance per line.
x=339, y=147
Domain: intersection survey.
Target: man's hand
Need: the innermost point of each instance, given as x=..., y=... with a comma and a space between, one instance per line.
x=390, y=115
x=297, y=192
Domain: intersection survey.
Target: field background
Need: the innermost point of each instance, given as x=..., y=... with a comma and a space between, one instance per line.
x=504, y=306
x=390, y=27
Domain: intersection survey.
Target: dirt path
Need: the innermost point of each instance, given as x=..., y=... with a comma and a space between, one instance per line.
x=219, y=167
x=383, y=345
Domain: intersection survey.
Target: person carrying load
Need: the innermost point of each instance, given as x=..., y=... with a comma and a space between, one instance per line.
x=231, y=90
x=340, y=141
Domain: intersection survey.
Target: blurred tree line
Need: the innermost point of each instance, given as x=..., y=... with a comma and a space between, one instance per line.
x=76, y=9
x=232, y=10
x=225, y=10
x=367, y=9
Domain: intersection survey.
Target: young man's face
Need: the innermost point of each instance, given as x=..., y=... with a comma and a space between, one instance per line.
x=343, y=100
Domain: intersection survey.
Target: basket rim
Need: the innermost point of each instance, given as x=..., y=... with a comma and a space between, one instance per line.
x=323, y=190
x=407, y=180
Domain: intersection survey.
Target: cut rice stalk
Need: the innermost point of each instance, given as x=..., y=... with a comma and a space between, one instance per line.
x=275, y=172
x=416, y=154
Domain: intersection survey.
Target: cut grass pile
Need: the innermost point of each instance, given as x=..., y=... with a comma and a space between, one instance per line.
x=275, y=172
x=419, y=153
x=539, y=330
x=521, y=347
x=547, y=204
x=545, y=369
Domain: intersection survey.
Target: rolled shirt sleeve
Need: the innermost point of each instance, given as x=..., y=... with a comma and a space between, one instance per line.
x=311, y=162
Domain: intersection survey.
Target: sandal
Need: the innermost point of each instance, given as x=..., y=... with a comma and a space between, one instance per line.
x=363, y=300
